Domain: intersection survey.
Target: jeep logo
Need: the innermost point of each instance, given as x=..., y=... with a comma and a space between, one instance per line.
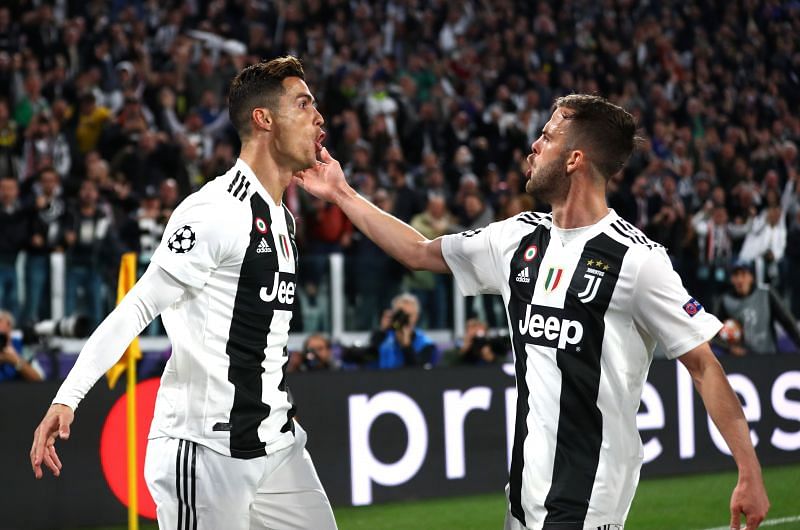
x=550, y=330
x=281, y=290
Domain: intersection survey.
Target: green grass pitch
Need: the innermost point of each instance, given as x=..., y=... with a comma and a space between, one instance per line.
x=689, y=503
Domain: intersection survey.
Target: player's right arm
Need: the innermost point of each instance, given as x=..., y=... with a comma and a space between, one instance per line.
x=396, y=238
x=196, y=240
x=153, y=293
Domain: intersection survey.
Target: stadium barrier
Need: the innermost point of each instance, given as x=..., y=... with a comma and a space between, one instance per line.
x=384, y=436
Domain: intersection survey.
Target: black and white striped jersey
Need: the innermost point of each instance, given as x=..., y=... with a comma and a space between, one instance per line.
x=224, y=386
x=585, y=317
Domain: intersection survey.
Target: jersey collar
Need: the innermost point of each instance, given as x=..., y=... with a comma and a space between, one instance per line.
x=242, y=166
x=589, y=232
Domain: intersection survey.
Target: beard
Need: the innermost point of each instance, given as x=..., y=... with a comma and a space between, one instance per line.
x=550, y=182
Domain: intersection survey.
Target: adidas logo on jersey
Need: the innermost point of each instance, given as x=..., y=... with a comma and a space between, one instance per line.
x=524, y=276
x=263, y=247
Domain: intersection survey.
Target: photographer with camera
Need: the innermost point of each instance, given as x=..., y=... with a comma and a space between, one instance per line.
x=316, y=356
x=478, y=347
x=404, y=344
x=13, y=366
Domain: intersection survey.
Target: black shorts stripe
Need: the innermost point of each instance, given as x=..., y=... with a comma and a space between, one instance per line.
x=521, y=295
x=178, y=484
x=185, y=473
x=580, y=426
x=194, y=486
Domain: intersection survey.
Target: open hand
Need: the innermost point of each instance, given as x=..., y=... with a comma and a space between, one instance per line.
x=55, y=424
x=325, y=180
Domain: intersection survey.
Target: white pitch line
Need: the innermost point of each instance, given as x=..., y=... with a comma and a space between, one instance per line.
x=768, y=522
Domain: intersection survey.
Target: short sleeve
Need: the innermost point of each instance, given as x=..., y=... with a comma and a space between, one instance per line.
x=195, y=242
x=472, y=258
x=666, y=311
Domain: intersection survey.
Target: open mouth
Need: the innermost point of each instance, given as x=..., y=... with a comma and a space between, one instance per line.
x=319, y=141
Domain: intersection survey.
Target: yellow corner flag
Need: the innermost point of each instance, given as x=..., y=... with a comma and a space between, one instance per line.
x=127, y=277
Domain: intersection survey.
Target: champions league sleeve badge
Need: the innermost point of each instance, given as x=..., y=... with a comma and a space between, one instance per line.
x=182, y=241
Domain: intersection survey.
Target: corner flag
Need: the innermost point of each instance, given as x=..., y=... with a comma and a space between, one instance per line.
x=127, y=277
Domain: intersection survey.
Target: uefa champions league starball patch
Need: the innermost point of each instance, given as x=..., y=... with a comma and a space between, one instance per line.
x=183, y=240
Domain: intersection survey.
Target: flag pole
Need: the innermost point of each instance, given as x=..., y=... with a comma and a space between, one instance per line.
x=127, y=277
x=133, y=475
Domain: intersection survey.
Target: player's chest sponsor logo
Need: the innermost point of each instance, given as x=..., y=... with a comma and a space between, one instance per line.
x=553, y=279
x=596, y=270
x=546, y=326
x=281, y=291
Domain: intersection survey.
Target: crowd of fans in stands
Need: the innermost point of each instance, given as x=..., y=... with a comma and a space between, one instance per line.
x=112, y=112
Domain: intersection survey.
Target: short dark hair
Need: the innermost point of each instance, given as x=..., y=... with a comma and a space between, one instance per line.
x=607, y=132
x=259, y=85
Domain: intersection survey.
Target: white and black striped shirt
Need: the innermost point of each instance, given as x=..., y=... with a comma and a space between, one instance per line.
x=224, y=385
x=585, y=317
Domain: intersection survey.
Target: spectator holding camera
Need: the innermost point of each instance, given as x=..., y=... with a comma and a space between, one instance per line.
x=316, y=356
x=478, y=347
x=756, y=309
x=13, y=366
x=404, y=344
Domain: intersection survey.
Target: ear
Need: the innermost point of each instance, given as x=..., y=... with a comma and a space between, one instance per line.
x=575, y=161
x=262, y=119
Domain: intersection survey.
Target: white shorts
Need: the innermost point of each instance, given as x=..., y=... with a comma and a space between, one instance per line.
x=195, y=488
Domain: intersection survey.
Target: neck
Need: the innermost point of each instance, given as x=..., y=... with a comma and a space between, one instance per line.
x=584, y=205
x=273, y=176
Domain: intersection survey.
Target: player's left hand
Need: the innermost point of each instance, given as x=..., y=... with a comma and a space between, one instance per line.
x=55, y=424
x=749, y=499
x=325, y=180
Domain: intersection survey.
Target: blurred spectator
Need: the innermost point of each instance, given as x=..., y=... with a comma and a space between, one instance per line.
x=757, y=310
x=32, y=102
x=8, y=142
x=13, y=366
x=715, y=237
x=45, y=146
x=374, y=278
x=478, y=347
x=91, y=120
x=15, y=226
x=405, y=344
x=317, y=355
x=47, y=236
x=142, y=231
x=765, y=244
x=91, y=246
x=430, y=288
x=407, y=202
x=328, y=228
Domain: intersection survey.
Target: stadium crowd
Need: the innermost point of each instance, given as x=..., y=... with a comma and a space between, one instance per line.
x=112, y=112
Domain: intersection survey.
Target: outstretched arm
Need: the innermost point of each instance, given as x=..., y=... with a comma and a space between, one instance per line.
x=399, y=240
x=749, y=498
x=153, y=293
